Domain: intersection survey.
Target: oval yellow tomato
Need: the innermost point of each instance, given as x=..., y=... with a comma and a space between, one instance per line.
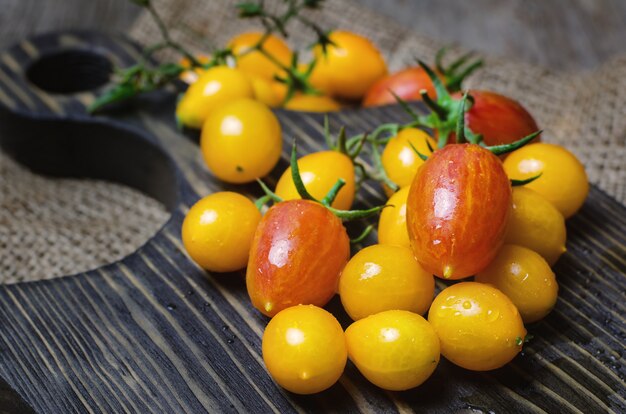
x=214, y=88
x=395, y=350
x=384, y=277
x=255, y=62
x=349, y=68
x=400, y=160
x=241, y=141
x=392, y=222
x=478, y=326
x=535, y=223
x=319, y=172
x=526, y=278
x=217, y=231
x=312, y=103
x=304, y=349
x=563, y=181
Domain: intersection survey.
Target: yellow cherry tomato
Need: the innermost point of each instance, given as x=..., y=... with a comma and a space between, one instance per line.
x=241, y=141
x=392, y=222
x=218, y=230
x=400, y=160
x=384, y=277
x=214, y=88
x=526, y=278
x=563, y=179
x=395, y=350
x=535, y=223
x=304, y=349
x=478, y=326
x=349, y=68
x=312, y=103
x=319, y=172
x=264, y=91
x=255, y=62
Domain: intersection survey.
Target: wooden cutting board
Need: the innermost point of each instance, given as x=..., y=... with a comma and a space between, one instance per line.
x=155, y=333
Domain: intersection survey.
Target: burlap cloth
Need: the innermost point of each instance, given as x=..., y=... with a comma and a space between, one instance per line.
x=51, y=227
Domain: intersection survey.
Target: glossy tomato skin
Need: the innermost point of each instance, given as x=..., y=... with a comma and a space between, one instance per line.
x=241, y=141
x=349, y=67
x=297, y=255
x=499, y=119
x=406, y=83
x=320, y=171
x=457, y=210
x=255, y=62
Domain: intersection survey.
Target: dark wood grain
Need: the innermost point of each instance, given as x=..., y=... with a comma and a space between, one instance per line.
x=155, y=333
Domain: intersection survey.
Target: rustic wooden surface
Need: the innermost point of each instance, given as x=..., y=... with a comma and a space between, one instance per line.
x=154, y=333
x=560, y=34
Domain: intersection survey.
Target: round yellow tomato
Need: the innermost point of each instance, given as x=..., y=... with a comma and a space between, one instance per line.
x=304, y=349
x=264, y=91
x=255, y=62
x=312, y=103
x=392, y=222
x=395, y=350
x=384, y=277
x=319, y=172
x=214, y=88
x=535, y=223
x=400, y=161
x=478, y=326
x=349, y=68
x=241, y=141
x=526, y=278
x=563, y=181
x=217, y=231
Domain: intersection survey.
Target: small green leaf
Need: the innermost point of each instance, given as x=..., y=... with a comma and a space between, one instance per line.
x=504, y=148
x=296, y=177
x=419, y=154
x=518, y=183
x=519, y=341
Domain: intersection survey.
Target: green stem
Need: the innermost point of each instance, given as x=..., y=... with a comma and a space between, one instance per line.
x=269, y=192
x=366, y=232
x=332, y=193
x=262, y=201
x=349, y=215
x=505, y=148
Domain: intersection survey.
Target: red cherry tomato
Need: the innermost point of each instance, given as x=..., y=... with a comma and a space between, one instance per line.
x=297, y=254
x=500, y=120
x=457, y=210
x=406, y=84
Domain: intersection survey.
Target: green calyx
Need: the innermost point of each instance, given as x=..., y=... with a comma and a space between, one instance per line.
x=457, y=71
x=445, y=110
x=327, y=201
x=350, y=147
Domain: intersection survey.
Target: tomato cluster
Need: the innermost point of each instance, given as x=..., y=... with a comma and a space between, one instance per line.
x=474, y=199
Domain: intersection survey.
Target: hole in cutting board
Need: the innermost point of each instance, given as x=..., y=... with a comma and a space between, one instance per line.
x=91, y=193
x=70, y=71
